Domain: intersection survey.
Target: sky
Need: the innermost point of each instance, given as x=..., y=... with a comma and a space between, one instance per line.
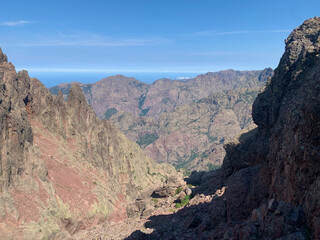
x=59, y=41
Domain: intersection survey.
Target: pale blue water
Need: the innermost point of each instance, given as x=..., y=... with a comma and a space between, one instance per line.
x=50, y=79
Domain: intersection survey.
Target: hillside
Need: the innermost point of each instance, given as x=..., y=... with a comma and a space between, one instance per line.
x=192, y=135
x=184, y=123
x=62, y=168
x=119, y=93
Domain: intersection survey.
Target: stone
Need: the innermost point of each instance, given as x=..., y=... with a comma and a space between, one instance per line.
x=188, y=191
x=257, y=215
x=272, y=205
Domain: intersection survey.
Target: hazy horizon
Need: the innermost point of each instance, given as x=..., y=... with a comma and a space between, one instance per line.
x=147, y=36
x=53, y=78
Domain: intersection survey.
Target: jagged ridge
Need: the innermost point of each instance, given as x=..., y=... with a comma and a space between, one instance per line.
x=62, y=168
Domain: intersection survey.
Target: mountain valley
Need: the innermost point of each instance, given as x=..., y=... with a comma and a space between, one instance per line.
x=183, y=123
x=78, y=161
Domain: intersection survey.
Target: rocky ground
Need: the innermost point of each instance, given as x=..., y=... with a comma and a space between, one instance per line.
x=167, y=200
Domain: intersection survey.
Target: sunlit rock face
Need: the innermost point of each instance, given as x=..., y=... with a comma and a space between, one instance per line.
x=62, y=169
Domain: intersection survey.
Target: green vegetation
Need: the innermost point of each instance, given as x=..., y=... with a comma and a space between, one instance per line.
x=186, y=172
x=86, y=89
x=144, y=111
x=204, y=155
x=213, y=166
x=147, y=139
x=120, y=118
x=110, y=112
x=171, y=210
x=183, y=202
x=178, y=190
x=212, y=139
x=182, y=163
x=142, y=98
x=155, y=200
x=149, y=172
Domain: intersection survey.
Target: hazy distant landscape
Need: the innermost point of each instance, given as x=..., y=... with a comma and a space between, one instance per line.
x=51, y=79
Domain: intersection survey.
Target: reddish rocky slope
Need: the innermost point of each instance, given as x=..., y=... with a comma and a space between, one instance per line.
x=61, y=168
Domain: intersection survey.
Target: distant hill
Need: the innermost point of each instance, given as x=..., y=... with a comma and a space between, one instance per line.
x=120, y=93
x=184, y=123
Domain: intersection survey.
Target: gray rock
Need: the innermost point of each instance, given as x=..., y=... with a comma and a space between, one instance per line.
x=272, y=205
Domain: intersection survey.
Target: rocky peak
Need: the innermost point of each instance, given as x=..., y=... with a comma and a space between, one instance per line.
x=304, y=39
x=302, y=45
x=288, y=116
x=3, y=57
x=60, y=96
x=75, y=169
x=76, y=97
x=265, y=74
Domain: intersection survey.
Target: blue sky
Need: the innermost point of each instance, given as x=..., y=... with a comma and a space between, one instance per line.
x=167, y=36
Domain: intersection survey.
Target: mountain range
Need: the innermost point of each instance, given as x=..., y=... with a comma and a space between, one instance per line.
x=67, y=174
x=184, y=123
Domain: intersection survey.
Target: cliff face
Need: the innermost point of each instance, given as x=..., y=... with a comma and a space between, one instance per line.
x=61, y=168
x=289, y=110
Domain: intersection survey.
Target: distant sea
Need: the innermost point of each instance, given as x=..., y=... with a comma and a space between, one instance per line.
x=50, y=79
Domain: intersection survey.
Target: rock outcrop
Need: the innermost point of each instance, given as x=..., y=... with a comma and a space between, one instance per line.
x=62, y=169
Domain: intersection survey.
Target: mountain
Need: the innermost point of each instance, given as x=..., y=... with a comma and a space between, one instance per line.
x=119, y=93
x=192, y=135
x=269, y=183
x=184, y=123
x=62, y=169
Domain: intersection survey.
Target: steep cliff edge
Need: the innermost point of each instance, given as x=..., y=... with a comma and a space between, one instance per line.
x=289, y=111
x=61, y=168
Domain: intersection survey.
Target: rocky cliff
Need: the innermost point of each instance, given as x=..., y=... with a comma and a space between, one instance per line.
x=270, y=174
x=62, y=169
